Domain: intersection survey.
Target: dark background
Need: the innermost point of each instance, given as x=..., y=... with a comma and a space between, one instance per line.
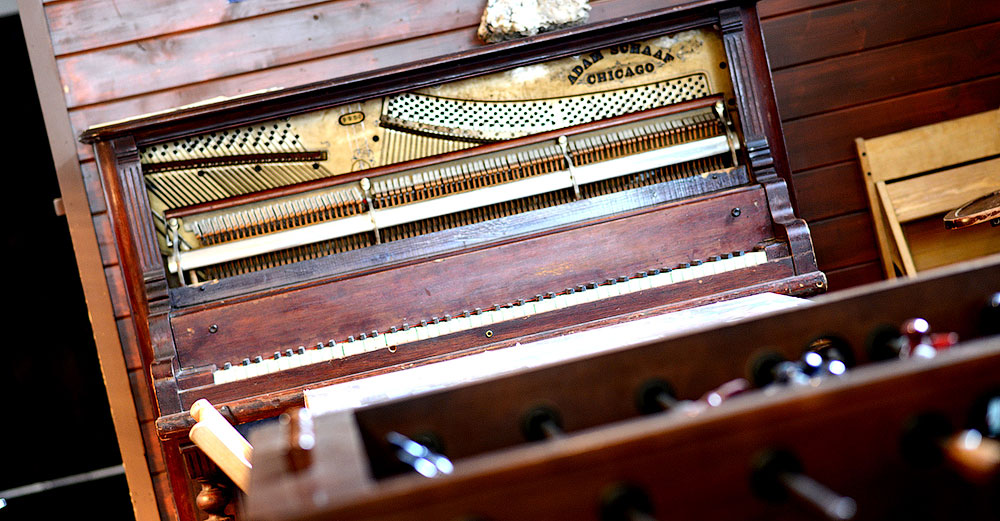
x=56, y=418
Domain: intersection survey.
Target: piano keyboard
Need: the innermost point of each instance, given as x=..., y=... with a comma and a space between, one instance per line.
x=396, y=336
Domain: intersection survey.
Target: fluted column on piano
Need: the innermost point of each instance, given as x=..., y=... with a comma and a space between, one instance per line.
x=141, y=265
x=767, y=163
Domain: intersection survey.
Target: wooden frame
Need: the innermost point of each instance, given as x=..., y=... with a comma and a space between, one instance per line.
x=168, y=322
x=918, y=173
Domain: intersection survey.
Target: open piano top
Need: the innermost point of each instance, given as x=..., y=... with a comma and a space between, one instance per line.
x=589, y=176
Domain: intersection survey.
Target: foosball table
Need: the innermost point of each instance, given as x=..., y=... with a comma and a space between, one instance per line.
x=877, y=403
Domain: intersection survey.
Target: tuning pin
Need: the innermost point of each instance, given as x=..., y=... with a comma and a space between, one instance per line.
x=425, y=461
x=778, y=475
x=541, y=423
x=928, y=439
x=301, y=438
x=626, y=502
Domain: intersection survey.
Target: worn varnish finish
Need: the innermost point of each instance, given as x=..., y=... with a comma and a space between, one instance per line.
x=183, y=345
x=820, y=146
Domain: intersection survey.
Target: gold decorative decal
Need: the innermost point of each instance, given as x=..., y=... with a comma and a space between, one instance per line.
x=352, y=119
x=617, y=71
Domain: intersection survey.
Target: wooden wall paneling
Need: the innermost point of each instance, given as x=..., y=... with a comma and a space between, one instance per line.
x=829, y=138
x=78, y=26
x=317, y=69
x=830, y=191
x=771, y=8
x=105, y=239
x=886, y=72
x=154, y=456
x=116, y=288
x=850, y=27
x=161, y=485
x=130, y=346
x=844, y=240
x=857, y=274
x=94, y=188
x=144, y=407
x=62, y=141
x=278, y=39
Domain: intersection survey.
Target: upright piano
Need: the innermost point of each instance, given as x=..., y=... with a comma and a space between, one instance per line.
x=290, y=239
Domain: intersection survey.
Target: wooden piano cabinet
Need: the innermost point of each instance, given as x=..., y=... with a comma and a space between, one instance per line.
x=698, y=205
x=846, y=431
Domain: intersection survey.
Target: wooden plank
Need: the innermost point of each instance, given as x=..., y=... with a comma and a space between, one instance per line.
x=144, y=407
x=154, y=456
x=843, y=241
x=829, y=191
x=934, y=146
x=79, y=26
x=282, y=38
x=897, y=244
x=829, y=138
x=850, y=27
x=116, y=288
x=105, y=239
x=877, y=212
x=882, y=73
x=931, y=194
x=932, y=245
x=771, y=8
x=130, y=346
x=252, y=44
x=94, y=188
x=164, y=496
x=855, y=275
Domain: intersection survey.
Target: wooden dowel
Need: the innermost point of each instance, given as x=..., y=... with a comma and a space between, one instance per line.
x=222, y=443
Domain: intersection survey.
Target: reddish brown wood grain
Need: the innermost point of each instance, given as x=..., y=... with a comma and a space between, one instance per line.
x=829, y=137
x=830, y=191
x=78, y=26
x=468, y=280
x=116, y=288
x=154, y=458
x=105, y=239
x=855, y=275
x=145, y=409
x=888, y=72
x=95, y=190
x=280, y=38
x=130, y=347
x=848, y=27
x=263, y=42
x=843, y=241
x=771, y=8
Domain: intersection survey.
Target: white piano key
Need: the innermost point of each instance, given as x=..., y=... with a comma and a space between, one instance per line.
x=353, y=348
